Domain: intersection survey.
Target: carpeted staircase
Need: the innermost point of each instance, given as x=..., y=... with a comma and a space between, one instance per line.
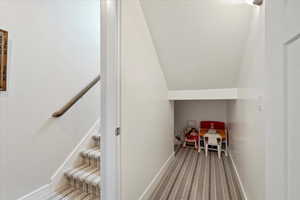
x=83, y=182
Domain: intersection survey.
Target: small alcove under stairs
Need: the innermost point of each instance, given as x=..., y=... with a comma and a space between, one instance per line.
x=192, y=107
x=192, y=175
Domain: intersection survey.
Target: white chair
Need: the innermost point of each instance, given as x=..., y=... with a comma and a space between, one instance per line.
x=213, y=140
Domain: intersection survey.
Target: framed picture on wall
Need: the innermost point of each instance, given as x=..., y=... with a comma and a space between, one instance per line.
x=3, y=59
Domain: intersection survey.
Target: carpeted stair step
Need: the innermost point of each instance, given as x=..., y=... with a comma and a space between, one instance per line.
x=59, y=194
x=69, y=193
x=97, y=139
x=92, y=156
x=85, y=177
x=83, y=182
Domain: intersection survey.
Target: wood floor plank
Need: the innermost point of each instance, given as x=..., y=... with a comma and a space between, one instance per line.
x=198, y=182
x=185, y=188
x=213, y=177
x=166, y=192
x=223, y=182
x=230, y=181
x=165, y=179
x=206, y=180
x=235, y=179
x=181, y=177
x=193, y=176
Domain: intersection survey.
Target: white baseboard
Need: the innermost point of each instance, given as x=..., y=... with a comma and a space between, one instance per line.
x=149, y=190
x=73, y=158
x=37, y=194
x=238, y=176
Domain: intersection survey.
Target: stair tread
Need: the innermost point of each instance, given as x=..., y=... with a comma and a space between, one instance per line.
x=82, y=196
x=93, y=153
x=90, y=197
x=72, y=194
x=83, y=181
x=94, y=179
x=58, y=195
x=97, y=137
x=71, y=171
x=85, y=173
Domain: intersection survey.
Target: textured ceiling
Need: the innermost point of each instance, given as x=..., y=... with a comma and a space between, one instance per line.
x=200, y=43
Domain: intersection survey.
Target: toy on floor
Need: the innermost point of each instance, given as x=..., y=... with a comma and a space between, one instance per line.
x=191, y=136
x=213, y=129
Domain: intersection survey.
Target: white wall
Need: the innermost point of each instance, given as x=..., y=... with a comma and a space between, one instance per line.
x=1, y=148
x=53, y=53
x=247, y=116
x=276, y=148
x=190, y=34
x=207, y=94
x=215, y=110
x=146, y=138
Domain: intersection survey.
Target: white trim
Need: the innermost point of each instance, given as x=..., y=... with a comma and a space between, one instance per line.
x=276, y=184
x=38, y=193
x=149, y=190
x=110, y=99
x=238, y=176
x=205, y=94
x=70, y=161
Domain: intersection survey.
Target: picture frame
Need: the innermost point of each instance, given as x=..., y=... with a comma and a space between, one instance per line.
x=3, y=59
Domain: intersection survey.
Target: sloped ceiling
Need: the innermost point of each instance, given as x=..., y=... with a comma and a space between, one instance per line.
x=200, y=43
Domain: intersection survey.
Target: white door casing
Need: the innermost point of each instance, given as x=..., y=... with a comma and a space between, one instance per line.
x=110, y=99
x=292, y=83
x=2, y=139
x=292, y=65
x=283, y=45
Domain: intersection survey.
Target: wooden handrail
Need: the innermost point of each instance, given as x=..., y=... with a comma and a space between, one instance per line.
x=66, y=107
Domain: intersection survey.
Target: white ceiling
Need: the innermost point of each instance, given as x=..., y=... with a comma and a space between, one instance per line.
x=200, y=43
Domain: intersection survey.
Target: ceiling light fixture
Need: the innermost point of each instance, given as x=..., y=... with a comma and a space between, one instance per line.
x=258, y=2
x=250, y=2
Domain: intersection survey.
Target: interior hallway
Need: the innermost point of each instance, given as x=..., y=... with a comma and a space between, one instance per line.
x=193, y=176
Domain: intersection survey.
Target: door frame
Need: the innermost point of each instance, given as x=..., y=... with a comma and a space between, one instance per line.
x=276, y=141
x=110, y=100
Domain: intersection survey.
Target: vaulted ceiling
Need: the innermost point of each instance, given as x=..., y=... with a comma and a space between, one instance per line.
x=200, y=43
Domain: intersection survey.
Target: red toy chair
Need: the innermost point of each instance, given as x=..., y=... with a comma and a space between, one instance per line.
x=220, y=128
